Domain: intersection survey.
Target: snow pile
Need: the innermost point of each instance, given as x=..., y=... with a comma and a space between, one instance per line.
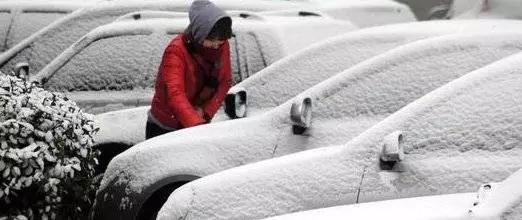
x=461, y=135
x=46, y=156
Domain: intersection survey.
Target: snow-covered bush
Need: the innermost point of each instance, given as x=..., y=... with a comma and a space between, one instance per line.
x=46, y=156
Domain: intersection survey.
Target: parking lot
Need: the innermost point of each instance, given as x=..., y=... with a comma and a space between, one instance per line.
x=334, y=109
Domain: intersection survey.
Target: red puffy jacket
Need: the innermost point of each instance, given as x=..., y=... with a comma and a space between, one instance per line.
x=181, y=86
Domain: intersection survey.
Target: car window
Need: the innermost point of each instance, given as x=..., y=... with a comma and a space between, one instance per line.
x=51, y=44
x=246, y=56
x=117, y=63
x=28, y=23
x=5, y=21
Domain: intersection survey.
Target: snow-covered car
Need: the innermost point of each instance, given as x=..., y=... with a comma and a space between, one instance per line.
x=462, y=134
x=115, y=65
x=20, y=19
x=291, y=75
x=429, y=9
x=345, y=106
x=498, y=200
x=42, y=47
x=466, y=9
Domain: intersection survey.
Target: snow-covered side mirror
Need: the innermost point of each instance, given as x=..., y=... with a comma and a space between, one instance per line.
x=392, y=149
x=439, y=12
x=301, y=115
x=499, y=200
x=21, y=70
x=236, y=103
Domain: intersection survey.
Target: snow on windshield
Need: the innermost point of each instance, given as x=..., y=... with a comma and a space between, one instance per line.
x=118, y=63
x=5, y=20
x=28, y=23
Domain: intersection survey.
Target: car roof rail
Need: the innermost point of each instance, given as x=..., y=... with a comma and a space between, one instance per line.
x=147, y=14
x=245, y=14
x=309, y=13
x=295, y=13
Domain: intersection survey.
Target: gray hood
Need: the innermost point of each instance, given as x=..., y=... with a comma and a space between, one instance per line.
x=203, y=14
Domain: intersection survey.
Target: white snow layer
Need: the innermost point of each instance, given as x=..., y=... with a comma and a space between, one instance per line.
x=22, y=18
x=285, y=79
x=496, y=202
x=465, y=9
x=341, y=104
x=460, y=135
x=43, y=46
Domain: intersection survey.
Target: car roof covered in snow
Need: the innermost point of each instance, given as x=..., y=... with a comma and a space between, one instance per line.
x=475, y=118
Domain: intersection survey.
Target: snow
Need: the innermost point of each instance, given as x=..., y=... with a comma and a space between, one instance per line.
x=465, y=9
x=40, y=48
x=291, y=75
x=97, y=102
x=502, y=199
x=445, y=207
x=265, y=89
x=369, y=13
x=112, y=63
x=499, y=201
x=5, y=20
x=456, y=137
x=269, y=135
x=119, y=126
x=23, y=18
x=28, y=23
x=121, y=65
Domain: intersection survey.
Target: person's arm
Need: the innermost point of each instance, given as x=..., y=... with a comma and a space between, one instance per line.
x=174, y=76
x=225, y=82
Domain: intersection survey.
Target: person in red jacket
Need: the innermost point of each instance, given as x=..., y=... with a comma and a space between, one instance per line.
x=195, y=72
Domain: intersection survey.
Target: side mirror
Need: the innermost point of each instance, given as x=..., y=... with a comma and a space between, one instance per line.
x=439, y=12
x=301, y=115
x=236, y=103
x=392, y=147
x=21, y=70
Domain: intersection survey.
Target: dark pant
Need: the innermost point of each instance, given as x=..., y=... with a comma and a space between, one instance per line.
x=153, y=130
